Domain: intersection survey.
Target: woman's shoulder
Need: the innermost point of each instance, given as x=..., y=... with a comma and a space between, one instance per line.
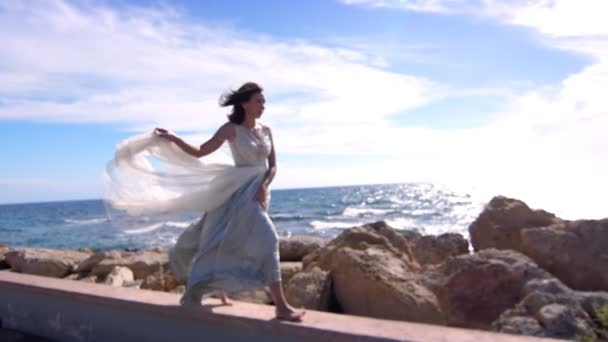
x=264, y=127
x=227, y=130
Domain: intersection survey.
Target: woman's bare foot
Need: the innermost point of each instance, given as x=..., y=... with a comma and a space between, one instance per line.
x=289, y=314
x=225, y=299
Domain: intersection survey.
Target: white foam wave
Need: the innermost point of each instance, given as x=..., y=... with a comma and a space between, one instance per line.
x=401, y=223
x=184, y=224
x=142, y=230
x=85, y=222
x=333, y=224
x=354, y=212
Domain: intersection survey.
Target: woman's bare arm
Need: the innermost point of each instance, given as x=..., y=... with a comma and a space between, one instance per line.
x=226, y=132
x=272, y=163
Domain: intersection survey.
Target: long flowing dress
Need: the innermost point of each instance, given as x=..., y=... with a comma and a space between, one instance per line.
x=235, y=246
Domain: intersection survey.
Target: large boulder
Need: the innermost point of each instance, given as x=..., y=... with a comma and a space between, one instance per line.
x=574, y=251
x=294, y=248
x=500, y=223
x=142, y=263
x=473, y=290
x=372, y=271
x=44, y=261
x=288, y=270
x=310, y=289
x=378, y=234
x=431, y=249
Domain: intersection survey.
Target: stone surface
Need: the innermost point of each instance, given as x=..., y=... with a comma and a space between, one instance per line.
x=430, y=249
x=3, y=250
x=9, y=335
x=373, y=274
x=119, y=276
x=259, y=296
x=310, y=289
x=573, y=251
x=142, y=263
x=161, y=281
x=576, y=252
x=288, y=269
x=500, y=223
x=473, y=290
x=44, y=261
x=294, y=248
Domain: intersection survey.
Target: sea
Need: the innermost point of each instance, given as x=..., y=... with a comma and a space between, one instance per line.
x=323, y=212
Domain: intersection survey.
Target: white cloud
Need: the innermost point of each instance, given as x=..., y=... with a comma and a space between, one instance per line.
x=61, y=62
x=548, y=146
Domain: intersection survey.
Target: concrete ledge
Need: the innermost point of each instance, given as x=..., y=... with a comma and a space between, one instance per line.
x=68, y=310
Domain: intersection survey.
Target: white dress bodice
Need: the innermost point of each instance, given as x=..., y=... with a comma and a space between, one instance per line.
x=250, y=148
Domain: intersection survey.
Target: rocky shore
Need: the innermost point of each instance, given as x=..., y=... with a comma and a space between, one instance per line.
x=531, y=272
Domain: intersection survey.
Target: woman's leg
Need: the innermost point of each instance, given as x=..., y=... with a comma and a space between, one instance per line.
x=224, y=298
x=283, y=310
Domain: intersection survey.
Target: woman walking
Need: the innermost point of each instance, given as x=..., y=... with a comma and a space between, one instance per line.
x=235, y=246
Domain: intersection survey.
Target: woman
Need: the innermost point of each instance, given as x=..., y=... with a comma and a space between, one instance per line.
x=237, y=244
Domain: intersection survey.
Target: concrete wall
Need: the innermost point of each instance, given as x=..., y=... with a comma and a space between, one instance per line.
x=67, y=310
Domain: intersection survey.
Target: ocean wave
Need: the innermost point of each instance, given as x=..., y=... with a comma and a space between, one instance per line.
x=333, y=224
x=354, y=212
x=402, y=223
x=143, y=230
x=185, y=224
x=87, y=222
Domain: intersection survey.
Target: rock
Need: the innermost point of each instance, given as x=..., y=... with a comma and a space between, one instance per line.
x=591, y=300
x=560, y=321
x=430, y=249
x=310, y=289
x=45, y=262
x=574, y=251
x=558, y=316
x=294, y=248
x=373, y=274
x=288, y=269
x=83, y=278
x=160, y=281
x=3, y=250
x=179, y=289
x=375, y=283
x=119, y=276
x=473, y=290
x=519, y=325
x=142, y=263
x=378, y=233
x=500, y=223
x=559, y=311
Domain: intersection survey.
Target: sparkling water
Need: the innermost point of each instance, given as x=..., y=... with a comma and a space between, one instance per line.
x=324, y=212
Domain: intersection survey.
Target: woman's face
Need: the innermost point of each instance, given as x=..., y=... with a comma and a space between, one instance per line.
x=255, y=105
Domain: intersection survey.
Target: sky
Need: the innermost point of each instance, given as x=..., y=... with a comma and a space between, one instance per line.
x=484, y=96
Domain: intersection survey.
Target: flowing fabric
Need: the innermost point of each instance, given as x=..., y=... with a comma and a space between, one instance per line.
x=234, y=246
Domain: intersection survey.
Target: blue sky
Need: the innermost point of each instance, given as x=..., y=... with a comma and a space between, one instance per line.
x=495, y=96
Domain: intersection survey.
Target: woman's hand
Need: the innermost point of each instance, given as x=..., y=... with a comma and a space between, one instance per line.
x=262, y=197
x=163, y=133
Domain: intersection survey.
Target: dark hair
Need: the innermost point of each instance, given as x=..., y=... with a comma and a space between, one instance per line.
x=234, y=98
